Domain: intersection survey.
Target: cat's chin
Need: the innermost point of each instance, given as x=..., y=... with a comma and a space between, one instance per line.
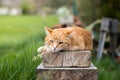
x=54, y=51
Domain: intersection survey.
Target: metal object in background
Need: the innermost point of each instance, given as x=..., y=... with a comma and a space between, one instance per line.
x=110, y=25
x=103, y=30
x=113, y=36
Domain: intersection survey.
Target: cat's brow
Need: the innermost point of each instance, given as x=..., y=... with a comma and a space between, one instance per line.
x=60, y=35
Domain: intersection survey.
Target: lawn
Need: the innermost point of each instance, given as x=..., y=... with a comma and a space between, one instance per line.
x=20, y=36
x=16, y=28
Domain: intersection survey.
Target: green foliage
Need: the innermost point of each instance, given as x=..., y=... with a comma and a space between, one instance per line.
x=28, y=8
x=25, y=8
x=109, y=8
x=22, y=36
x=91, y=10
x=88, y=10
x=107, y=69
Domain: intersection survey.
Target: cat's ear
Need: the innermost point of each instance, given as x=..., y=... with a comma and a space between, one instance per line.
x=70, y=34
x=48, y=30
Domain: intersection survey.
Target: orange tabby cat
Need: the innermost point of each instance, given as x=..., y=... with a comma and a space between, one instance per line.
x=66, y=39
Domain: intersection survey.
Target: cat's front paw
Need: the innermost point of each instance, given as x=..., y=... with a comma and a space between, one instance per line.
x=41, y=49
x=38, y=56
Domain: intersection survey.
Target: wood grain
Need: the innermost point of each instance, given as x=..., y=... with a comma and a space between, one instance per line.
x=89, y=73
x=67, y=59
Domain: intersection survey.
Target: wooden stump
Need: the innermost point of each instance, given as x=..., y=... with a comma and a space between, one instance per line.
x=67, y=59
x=89, y=73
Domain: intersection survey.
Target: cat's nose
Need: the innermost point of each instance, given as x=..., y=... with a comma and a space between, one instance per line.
x=54, y=48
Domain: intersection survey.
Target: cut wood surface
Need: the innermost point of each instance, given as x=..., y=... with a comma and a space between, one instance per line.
x=44, y=73
x=67, y=59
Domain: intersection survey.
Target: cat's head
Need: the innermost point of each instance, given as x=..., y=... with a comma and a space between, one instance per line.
x=57, y=39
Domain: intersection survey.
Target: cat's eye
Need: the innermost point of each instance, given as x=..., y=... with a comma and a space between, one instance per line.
x=61, y=42
x=51, y=41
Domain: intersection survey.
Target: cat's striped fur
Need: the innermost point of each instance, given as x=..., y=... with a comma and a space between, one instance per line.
x=67, y=39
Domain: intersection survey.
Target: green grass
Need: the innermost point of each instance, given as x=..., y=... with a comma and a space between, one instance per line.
x=20, y=36
x=15, y=28
x=108, y=69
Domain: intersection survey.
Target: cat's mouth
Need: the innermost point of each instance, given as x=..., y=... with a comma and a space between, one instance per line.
x=62, y=51
x=57, y=51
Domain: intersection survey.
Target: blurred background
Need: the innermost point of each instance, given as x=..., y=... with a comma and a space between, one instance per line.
x=87, y=10
x=22, y=25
